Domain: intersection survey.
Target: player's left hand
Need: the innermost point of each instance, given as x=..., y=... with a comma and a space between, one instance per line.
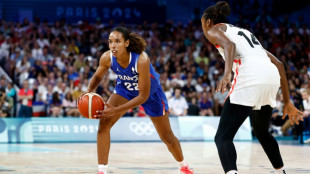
x=222, y=86
x=293, y=113
x=107, y=112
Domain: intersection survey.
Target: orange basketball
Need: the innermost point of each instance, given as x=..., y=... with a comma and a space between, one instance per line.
x=89, y=104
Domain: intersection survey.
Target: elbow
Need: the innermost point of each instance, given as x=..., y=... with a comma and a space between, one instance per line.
x=143, y=98
x=231, y=45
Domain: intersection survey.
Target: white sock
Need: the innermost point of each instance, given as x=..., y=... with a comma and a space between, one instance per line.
x=103, y=168
x=280, y=171
x=232, y=172
x=182, y=163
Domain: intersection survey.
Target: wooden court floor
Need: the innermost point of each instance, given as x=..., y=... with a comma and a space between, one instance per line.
x=143, y=158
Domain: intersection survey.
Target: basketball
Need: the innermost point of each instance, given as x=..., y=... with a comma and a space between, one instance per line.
x=89, y=104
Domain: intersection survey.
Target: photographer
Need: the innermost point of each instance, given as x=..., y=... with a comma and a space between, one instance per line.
x=6, y=104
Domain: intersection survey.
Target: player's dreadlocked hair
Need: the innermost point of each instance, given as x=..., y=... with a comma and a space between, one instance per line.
x=136, y=43
x=217, y=13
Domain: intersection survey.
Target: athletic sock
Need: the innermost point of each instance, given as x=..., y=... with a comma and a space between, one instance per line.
x=281, y=171
x=182, y=163
x=232, y=172
x=103, y=168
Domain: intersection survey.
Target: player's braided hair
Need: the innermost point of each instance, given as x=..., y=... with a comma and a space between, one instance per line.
x=136, y=43
x=217, y=13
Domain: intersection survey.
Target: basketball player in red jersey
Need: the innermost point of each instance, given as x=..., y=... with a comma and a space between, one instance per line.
x=257, y=77
x=137, y=84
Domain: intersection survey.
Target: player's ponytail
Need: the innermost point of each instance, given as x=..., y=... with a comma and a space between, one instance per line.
x=217, y=13
x=136, y=43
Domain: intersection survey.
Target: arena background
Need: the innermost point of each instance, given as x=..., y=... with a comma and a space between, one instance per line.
x=282, y=29
x=55, y=47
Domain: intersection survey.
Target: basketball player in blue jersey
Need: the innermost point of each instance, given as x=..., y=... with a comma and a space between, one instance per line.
x=257, y=77
x=137, y=84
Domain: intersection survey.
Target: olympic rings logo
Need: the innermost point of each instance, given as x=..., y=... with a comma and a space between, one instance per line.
x=142, y=128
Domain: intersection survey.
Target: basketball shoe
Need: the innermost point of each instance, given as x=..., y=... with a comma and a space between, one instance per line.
x=186, y=170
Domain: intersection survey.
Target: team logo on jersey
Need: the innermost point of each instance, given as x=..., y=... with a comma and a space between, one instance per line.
x=133, y=70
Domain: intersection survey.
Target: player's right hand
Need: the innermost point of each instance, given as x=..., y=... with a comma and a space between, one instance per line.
x=293, y=113
x=222, y=86
x=83, y=93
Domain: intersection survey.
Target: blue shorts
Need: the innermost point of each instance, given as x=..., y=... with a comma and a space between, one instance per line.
x=155, y=105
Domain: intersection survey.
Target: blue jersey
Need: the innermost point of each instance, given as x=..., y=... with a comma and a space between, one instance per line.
x=128, y=78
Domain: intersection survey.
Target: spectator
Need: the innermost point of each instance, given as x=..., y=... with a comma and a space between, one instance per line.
x=188, y=87
x=202, y=58
x=64, y=89
x=69, y=106
x=306, y=104
x=22, y=65
x=42, y=41
x=76, y=93
x=60, y=62
x=279, y=126
x=206, y=105
x=47, y=98
x=72, y=74
x=25, y=96
x=3, y=83
x=79, y=63
x=42, y=89
x=193, y=109
x=6, y=104
x=58, y=86
x=56, y=106
x=37, y=52
x=46, y=56
x=11, y=92
x=177, y=104
x=219, y=100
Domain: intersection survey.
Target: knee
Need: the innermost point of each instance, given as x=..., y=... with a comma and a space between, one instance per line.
x=168, y=138
x=261, y=134
x=104, y=126
x=218, y=139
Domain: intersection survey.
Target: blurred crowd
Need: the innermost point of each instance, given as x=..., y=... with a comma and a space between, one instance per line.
x=52, y=63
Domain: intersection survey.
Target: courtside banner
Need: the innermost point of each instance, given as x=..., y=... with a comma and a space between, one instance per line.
x=139, y=129
x=43, y=130
x=38, y=129
x=204, y=128
x=64, y=129
x=16, y=130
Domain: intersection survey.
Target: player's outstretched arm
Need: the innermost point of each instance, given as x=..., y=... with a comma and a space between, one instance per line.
x=289, y=109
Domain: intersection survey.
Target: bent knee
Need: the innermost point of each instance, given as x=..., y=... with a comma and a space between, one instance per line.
x=262, y=135
x=104, y=126
x=221, y=139
x=218, y=139
x=168, y=139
